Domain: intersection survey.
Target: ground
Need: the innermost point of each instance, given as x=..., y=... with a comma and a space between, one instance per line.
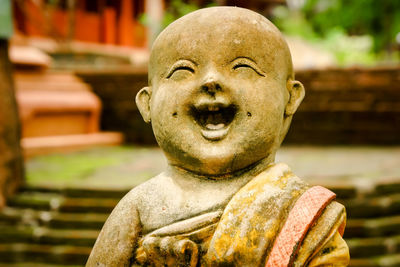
x=126, y=166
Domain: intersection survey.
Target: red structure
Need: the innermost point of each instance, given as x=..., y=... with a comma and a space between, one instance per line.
x=98, y=21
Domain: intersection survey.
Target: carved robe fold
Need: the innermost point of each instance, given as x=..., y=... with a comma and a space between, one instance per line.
x=266, y=223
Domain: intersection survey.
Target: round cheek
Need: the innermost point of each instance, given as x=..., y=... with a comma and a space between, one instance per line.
x=163, y=100
x=264, y=108
x=160, y=105
x=168, y=105
x=262, y=97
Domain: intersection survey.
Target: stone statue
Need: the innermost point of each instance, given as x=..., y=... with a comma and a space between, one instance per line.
x=220, y=99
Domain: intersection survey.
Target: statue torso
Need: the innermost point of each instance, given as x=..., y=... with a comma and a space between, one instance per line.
x=164, y=200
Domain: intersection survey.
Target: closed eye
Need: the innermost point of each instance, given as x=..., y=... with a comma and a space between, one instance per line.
x=246, y=63
x=241, y=66
x=183, y=68
x=180, y=66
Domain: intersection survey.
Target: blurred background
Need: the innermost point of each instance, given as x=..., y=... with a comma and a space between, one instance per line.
x=72, y=141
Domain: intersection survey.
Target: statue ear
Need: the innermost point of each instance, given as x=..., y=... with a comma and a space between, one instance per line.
x=296, y=95
x=143, y=103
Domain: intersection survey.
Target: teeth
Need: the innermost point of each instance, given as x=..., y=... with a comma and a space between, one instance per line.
x=215, y=126
x=214, y=135
x=213, y=108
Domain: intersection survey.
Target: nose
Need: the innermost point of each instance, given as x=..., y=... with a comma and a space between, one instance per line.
x=211, y=85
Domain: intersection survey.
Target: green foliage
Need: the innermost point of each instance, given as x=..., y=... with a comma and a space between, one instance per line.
x=349, y=49
x=293, y=22
x=175, y=10
x=380, y=19
x=360, y=32
x=6, y=27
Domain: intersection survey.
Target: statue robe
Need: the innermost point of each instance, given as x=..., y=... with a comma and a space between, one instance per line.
x=254, y=227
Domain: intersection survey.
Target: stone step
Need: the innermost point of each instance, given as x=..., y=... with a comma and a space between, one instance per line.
x=351, y=190
x=382, y=261
x=391, y=186
x=56, y=202
x=37, y=201
x=52, y=219
x=46, y=236
x=373, y=207
x=378, y=227
x=50, y=198
x=34, y=264
x=72, y=214
x=78, y=221
x=76, y=192
x=369, y=247
x=39, y=219
x=49, y=254
x=84, y=205
x=359, y=247
x=343, y=192
x=92, y=193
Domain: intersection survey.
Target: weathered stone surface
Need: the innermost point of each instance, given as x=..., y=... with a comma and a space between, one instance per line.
x=220, y=99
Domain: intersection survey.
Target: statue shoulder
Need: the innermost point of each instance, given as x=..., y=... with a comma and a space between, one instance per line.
x=122, y=229
x=118, y=236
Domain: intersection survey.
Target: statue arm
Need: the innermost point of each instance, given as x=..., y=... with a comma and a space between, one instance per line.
x=117, y=240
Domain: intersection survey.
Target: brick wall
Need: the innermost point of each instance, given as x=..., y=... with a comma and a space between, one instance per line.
x=348, y=106
x=342, y=106
x=117, y=91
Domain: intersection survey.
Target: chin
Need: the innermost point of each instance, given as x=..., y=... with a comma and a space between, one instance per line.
x=216, y=160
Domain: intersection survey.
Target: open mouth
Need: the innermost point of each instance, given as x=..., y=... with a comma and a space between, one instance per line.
x=214, y=119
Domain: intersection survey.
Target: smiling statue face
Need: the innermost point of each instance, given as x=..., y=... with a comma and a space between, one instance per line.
x=218, y=91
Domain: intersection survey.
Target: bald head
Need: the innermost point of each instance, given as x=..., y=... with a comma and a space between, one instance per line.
x=221, y=93
x=235, y=30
